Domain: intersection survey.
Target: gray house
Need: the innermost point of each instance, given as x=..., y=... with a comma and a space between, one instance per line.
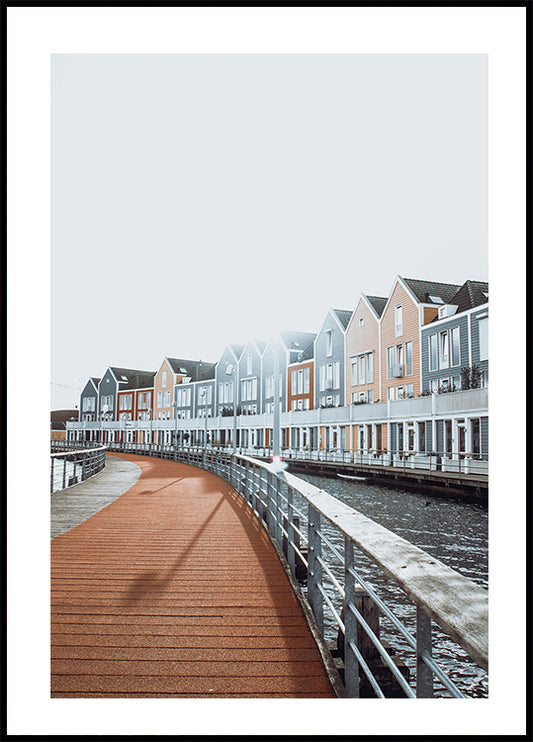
x=330, y=350
x=227, y=379
x=114, y=380
x=454, y=346
x=290, y=347
x=89, y=400
x=250, y=365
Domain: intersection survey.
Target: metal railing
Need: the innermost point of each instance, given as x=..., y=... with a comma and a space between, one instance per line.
x=70, y=464
x=351, y=566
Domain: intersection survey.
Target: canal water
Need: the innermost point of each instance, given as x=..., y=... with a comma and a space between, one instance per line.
x=453, y=530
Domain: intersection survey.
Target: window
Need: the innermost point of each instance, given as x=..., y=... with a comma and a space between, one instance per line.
x=390, y=393
x=456, y=347
x=399, y=392
x=371, y=395
x=362, y=370
x=269, y=386
x=434, y=386
x=390, y=361
x=168, y=399
x=159, y=396
x=249, y=364
x=336, y=374
x=443, y=350
x=408, y=359
x=301, y=381
x=398, y=321
x=433, y=353
x=329, y=342
x=361, y=396
x=354, y=371
x=164, y=381
x=483, y=325
x=307, y=376
x=361, y=322
x=370, y=367
x=408, y=390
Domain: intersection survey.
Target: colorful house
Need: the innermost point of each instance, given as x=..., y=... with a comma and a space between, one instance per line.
x=412, y=303
x=112, y=382
x=171, y=372
x=329, y=352
x=89, y=400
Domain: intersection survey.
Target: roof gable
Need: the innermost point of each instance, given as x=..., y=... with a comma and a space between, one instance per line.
x=431, y=292
x=471, y=294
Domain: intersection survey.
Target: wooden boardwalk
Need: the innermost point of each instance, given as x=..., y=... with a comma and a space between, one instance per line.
x=175, y=590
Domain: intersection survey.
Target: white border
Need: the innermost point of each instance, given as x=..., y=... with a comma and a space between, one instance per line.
x=33, y=35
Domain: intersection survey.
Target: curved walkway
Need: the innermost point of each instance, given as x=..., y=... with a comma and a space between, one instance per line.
x=70, y=507
x=175, y=590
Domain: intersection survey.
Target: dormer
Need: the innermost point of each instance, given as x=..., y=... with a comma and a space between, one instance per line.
x=447, y=310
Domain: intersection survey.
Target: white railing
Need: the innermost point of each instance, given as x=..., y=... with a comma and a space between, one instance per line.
x=328, y=541
x=70, y=464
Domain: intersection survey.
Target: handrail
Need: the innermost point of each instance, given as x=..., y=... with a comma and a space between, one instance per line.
x=78, y=465
x=456, y=604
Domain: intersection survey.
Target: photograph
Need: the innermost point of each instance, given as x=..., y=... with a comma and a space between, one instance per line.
x=261, y=250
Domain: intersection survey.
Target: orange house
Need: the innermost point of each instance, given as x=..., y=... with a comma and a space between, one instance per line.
x=411, y=304
x=171, y=372
x=300, y=385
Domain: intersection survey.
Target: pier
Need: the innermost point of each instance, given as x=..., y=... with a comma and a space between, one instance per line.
x=174, y=589
x=219, y=574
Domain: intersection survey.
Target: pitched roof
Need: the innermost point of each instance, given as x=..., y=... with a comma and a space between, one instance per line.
x=471, y=294
x=428, y=292
x=132, y=375
x=95, y=380
x=237, y=349
x=344, y=316
x=196, y=370
x=377, y=303
x=139, y=380
x=297, y=340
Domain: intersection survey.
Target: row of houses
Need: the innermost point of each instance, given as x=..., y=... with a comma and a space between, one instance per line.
x=426, y=338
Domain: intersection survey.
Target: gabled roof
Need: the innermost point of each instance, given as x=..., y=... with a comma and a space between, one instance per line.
x=344, y=316
x=471, y=294
x=429, y=292
x=95, y=380
x=297, y=341
x=377, y=303
x=139, y=380
x=260, y=345
x=132, y=375
x=236, y=349
x=196, y=370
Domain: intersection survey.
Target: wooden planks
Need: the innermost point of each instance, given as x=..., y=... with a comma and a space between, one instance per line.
x=174, y=590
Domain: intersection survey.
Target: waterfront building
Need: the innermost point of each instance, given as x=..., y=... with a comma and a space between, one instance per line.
x=362, y=366
x=329, y=352
x=288, y=348
x=89, y=400
x=411, y=304
x=115, y=379
x=226, y=382
x=176, y=371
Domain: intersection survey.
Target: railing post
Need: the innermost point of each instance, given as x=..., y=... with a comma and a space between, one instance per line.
x=64, y=472
x=52, y=475
x=424, y=676
x=351, y=663
x=291, y=553
x=314, y=572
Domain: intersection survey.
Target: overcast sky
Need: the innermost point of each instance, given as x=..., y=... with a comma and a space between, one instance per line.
x=204, y=199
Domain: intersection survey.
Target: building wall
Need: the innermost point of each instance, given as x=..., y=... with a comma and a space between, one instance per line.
x=267, y=393
x=88, y=392
x=108, y=388
x=164, y=394
x=293, y=396
x=250, y=402
x=222, y=378
x=410, y=333
x=337, y=393
x=361, y=339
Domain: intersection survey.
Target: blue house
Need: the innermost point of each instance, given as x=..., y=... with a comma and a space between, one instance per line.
x=330, y=349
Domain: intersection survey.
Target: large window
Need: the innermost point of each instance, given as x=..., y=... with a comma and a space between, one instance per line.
x=329, y=342
x=433, y=353
x=483, y=325
x=445, y=349
x=456, y=346
x=408, y=359
x=398, y=321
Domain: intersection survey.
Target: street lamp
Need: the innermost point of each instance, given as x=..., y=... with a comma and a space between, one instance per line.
x=231, y=369
x=204, y=397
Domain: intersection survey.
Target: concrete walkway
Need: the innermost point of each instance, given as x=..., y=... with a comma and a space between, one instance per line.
x=175, y=590
x=70, y=507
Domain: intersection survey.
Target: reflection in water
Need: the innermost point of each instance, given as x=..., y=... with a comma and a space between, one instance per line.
x=452, y=530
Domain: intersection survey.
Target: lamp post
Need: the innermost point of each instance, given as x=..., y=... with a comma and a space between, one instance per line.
x=275, y=428
x=204, y=396
x=231, y=369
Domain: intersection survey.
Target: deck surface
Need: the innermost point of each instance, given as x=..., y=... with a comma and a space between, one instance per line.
x=175, y=590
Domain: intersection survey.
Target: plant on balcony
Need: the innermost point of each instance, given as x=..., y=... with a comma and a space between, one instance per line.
x=470, y=377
